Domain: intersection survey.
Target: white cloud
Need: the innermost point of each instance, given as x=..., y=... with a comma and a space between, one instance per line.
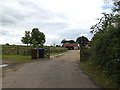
x=58, y=19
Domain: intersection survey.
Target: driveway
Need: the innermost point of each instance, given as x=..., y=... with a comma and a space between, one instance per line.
x=62, y=71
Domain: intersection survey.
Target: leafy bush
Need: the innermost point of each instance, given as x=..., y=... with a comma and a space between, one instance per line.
x=85, y=53
x=106, y=45
x=107, y=52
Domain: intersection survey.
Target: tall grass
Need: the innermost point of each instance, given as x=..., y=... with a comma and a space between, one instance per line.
x=96, y=72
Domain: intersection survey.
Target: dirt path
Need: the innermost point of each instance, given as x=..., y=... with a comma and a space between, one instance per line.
x=60, y=72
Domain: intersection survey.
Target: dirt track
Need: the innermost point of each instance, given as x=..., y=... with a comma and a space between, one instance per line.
x=59, y=72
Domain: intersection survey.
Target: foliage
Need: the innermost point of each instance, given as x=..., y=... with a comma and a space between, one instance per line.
x=82, y=41
x=85, y=53
x=7, y=44
x=97, y=75
x=106, y=44
x=116, y=8
x=35, y=37
x=63, y=41
x=38, y=36
x=26, y=38
x=34, y=42
x=106, y=50
x=67, y=41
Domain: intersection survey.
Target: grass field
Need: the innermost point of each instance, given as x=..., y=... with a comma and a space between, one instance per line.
x=100, y=78
x=18, y=59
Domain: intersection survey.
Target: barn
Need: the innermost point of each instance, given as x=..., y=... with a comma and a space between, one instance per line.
x=70, y=44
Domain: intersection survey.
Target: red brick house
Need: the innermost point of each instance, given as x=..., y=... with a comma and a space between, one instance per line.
x=70, y=44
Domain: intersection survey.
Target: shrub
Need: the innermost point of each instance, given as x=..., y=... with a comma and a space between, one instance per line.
x=85, y=53
x=106, y=52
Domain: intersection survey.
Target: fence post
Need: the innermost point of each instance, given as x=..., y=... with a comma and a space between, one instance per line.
x=18, y=50
x=48, y=52
x=24, y=51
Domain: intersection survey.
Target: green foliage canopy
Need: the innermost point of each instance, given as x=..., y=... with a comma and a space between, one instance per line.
x=35, y=37
x=38, y=36
x=26, y=38
x=67, y=41
x=82, y=41
x=106, y=43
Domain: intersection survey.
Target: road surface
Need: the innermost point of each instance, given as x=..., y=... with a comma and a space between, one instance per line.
x=59, y=72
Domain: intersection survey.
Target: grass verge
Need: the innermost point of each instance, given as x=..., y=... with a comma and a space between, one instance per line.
x=100, y=78
x=18, y=59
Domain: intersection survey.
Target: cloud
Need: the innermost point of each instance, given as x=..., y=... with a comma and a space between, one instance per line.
x=58, y=19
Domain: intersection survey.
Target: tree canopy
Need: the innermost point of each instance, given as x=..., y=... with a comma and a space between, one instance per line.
x=82, y=41
x=35, y=37
x=38, y=36
x=106, y=43
x=26, y=39
x=67, y=41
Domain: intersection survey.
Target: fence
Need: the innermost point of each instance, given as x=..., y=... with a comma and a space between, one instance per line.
x=6, y=50
x=18, y=50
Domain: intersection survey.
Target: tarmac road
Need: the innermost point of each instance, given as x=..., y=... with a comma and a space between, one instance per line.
x=59, y=72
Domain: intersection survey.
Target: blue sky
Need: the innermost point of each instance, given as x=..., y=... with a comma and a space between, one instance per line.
x=106, y=7
x=57, y=19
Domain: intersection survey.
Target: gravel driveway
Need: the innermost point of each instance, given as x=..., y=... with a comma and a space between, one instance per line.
x=59, y=72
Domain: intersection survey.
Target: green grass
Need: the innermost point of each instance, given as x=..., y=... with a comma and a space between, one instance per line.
x=100, y=78
x=18, y=59
x=59, y=52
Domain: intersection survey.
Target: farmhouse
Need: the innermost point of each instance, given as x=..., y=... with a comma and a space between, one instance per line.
x=70, y=44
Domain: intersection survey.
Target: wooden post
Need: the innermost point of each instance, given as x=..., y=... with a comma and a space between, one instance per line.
x=18, y=50
x=24, y=51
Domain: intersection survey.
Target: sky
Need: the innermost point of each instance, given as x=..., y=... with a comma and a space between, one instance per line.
x=57, y=19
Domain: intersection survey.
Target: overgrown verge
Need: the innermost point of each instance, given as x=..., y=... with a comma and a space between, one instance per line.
x=94, y=71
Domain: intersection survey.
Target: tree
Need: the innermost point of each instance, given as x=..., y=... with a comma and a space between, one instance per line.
x=26, y=38
x=38, y=36
x=106, y=44
x=82, y=41
x=116, y=7
x=34, y=43
x=103, y=23
x=67, y=41
x=63, y=41
x=7, y=44
x=107, y=20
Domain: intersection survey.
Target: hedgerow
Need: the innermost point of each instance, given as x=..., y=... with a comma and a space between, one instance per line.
x=105, y=50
